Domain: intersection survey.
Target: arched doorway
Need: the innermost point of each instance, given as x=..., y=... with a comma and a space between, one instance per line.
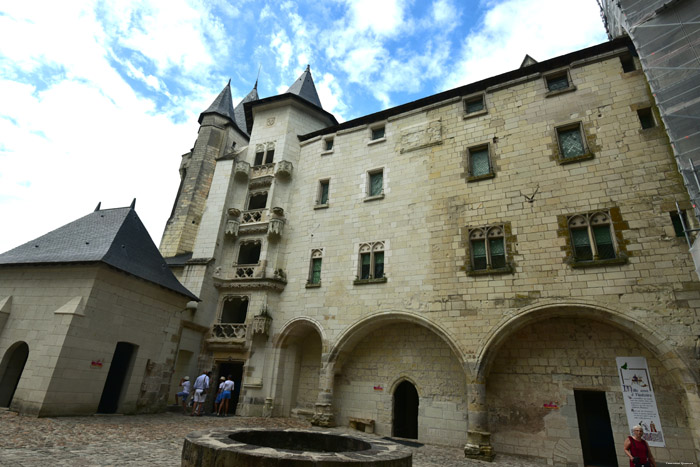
x=116, y=378
x=299, y=369
x=15, y=359
x=405, y=424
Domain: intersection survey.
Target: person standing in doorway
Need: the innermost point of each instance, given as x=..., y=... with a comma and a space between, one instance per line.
x=201, y=386
x=226, y=395
x=637, y=449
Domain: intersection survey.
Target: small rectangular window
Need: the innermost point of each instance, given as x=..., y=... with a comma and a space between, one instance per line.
x=316, y=270
x=557, y=82
x=323, y=188
x=571, y=142
x=376, y=183
x=678, y=223
x=479, y=161
x=328, y=144
x=627, y=62
x=377, y=133
x=646, y=118
x=474, y=105
x=269, y=156
x=365, y=265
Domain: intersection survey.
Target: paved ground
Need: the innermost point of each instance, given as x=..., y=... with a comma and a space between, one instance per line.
x=153, y=440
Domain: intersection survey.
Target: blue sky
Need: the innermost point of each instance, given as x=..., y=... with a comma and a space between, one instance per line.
x=98, y=100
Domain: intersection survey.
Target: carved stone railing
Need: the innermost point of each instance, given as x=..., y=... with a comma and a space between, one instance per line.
x=241, y=169
x=284, y=169
x=246, y=271
x=253, y=216
x=229, y=331
x=262, y=170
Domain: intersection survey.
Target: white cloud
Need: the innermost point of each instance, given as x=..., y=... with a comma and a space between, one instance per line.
x=381, y=17
x=81, y=134
x=330, y=93
x=514, y=28
x=283, y=48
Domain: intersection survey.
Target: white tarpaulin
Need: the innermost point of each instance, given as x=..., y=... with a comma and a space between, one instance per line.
x=640, y=402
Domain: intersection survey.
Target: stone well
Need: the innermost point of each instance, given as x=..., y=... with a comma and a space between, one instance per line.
x=262, y=447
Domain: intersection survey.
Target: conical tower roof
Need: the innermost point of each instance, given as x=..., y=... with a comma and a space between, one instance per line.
x=222, y=105
x=239, y=111
x=304, y=87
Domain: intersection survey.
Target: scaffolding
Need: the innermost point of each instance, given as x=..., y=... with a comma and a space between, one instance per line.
x=666, y=35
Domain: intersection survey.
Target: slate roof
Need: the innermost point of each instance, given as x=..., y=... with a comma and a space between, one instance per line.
x=222, y=105
x=116, y=237
x=304, y=87
x=239, y=111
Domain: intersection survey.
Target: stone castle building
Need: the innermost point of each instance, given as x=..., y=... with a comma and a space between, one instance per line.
x=463, y=269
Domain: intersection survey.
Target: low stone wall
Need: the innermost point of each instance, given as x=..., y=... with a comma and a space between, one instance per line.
x=289, y=448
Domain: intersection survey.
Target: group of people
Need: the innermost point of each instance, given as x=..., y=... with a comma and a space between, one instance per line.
x=201, y=388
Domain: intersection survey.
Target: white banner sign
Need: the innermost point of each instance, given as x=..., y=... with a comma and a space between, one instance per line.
x=640, y=401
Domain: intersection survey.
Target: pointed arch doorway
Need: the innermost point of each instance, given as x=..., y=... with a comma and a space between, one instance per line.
x=14, y=365
x=405, y=420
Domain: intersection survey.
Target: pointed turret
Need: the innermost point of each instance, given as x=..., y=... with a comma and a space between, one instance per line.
x=239, y=111
x=304, y=87
x=222, y=105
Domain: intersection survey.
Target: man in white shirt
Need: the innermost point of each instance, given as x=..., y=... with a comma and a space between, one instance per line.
x=201, y=386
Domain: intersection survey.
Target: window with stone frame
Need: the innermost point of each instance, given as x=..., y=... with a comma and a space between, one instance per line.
x=592, y=237
x=479, y=166
x=558, y=82
x=572, y=145
x=249, y=252
x=264, y=154
x=315, y=268
x=487, y=249
x=474, y=105
x=377, y=133
x=371, y=263
x=375, y=184
x=323, y=192
x=328, y=144
x=257, y=200
x=234, y=309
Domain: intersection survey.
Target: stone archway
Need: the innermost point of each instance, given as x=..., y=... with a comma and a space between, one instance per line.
x=373, y=357
x=12, y=366
x=536, y=362
x=299, y=366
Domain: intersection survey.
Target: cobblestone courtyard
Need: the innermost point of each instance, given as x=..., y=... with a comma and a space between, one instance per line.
x=152, y=440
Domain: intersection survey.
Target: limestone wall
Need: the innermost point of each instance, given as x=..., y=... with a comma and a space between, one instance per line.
x=71, y=346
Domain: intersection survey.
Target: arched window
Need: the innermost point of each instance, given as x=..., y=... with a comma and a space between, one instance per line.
x=488, y=249
x=315, y=267
x=591, y=236
x=371, y=261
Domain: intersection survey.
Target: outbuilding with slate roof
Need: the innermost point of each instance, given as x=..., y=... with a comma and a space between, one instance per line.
x=88, y=318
